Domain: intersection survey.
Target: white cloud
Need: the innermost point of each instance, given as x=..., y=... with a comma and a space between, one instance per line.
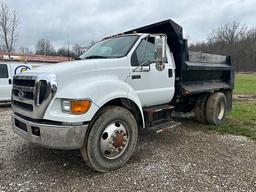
x=94, y=19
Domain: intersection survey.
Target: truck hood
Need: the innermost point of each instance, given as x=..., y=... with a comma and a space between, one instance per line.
x=79, y=66
x=74, y=72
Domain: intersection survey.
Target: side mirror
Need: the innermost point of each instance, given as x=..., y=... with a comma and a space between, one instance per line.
x=160, y=51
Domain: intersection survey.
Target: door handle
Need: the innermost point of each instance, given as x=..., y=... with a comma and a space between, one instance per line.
x=10, y=81
x=170, y=73
x=136, y=76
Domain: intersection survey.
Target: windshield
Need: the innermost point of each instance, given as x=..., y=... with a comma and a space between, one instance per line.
x=111, y=48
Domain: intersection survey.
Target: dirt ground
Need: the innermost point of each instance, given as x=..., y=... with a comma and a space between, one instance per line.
x=245, y=97
x=187, y=158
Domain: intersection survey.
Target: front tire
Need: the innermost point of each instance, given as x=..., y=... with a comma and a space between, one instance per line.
x=216, y=108
x=112, y=139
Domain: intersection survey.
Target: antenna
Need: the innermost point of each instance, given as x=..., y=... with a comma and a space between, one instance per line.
x=68, y=39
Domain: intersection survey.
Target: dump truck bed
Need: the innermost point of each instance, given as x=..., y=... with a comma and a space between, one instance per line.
x=204, y=72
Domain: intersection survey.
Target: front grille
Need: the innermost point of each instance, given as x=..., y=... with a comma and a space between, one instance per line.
x=23, y=92
x=26, y=106
x=27, y=95
x=23, y=82
x=32, y=93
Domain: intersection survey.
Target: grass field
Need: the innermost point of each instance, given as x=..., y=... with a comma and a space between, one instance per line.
x=245, y=83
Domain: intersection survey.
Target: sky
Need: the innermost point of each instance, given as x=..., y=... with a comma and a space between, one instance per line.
x=82, y=21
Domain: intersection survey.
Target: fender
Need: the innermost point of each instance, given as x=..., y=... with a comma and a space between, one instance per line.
x=119, y=89
x=99, y=91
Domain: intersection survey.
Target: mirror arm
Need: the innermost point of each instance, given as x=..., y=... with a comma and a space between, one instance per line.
x=141, y=65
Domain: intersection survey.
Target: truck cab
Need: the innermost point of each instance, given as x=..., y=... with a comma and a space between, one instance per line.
x=141, y=73
x=124, y=83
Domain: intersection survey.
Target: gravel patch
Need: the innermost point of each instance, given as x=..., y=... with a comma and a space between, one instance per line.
x=184, y=159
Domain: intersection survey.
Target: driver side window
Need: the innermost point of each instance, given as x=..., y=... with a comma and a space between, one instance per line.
x=144, y=52
x=3, y=71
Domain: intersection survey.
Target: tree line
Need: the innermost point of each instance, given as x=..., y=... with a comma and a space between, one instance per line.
x=45, y=47
x=235, y=40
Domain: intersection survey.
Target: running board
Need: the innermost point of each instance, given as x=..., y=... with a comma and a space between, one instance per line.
x=164, y=127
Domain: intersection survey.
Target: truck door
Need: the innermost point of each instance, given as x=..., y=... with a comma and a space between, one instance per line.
x=153, y=86
x=5, y=83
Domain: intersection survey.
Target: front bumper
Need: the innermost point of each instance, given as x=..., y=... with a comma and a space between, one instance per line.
x=48, y=135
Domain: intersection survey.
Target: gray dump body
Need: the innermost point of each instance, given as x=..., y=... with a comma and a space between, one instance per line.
x=195, y=72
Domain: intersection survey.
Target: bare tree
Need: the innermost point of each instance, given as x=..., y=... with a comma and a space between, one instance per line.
x=65, y=52
x=8, y=25
x=44, y=47
x=227, y=34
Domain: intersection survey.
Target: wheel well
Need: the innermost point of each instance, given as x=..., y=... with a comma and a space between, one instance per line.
x=130, y=105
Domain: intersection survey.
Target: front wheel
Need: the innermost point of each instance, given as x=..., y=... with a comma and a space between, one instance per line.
x=112, y=139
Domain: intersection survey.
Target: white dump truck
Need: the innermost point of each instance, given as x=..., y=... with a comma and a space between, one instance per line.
x=124, y=83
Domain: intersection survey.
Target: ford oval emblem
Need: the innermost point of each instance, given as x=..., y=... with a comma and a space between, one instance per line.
x=20, y=94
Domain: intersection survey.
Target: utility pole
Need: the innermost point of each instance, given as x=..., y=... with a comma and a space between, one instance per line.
x=68, y=40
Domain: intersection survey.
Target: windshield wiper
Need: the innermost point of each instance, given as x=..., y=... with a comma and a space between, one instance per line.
x=96, y=57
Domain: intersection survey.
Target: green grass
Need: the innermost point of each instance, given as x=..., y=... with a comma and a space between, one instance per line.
x=234, y=129
x=241, y=121
x=244, y=111
x=245, y=83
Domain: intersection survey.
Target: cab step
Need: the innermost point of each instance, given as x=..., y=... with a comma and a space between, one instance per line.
x=157, y=114
x=158, y=108
x=164, y=127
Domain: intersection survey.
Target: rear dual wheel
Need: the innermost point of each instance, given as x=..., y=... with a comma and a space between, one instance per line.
x=216, y=108
x=111, y=140
x=200, y=109
x=211, y=109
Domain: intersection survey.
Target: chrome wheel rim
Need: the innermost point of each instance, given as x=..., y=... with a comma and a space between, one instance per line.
x=221, y=110
x=114, y=140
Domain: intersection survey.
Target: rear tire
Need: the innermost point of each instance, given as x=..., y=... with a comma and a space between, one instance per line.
x=200, y=109
x=111, y=140
x=216, y=108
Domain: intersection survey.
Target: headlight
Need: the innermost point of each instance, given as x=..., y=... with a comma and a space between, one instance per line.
x=76, y=106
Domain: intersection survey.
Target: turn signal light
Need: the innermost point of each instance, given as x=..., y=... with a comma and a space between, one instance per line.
x=80, y=106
